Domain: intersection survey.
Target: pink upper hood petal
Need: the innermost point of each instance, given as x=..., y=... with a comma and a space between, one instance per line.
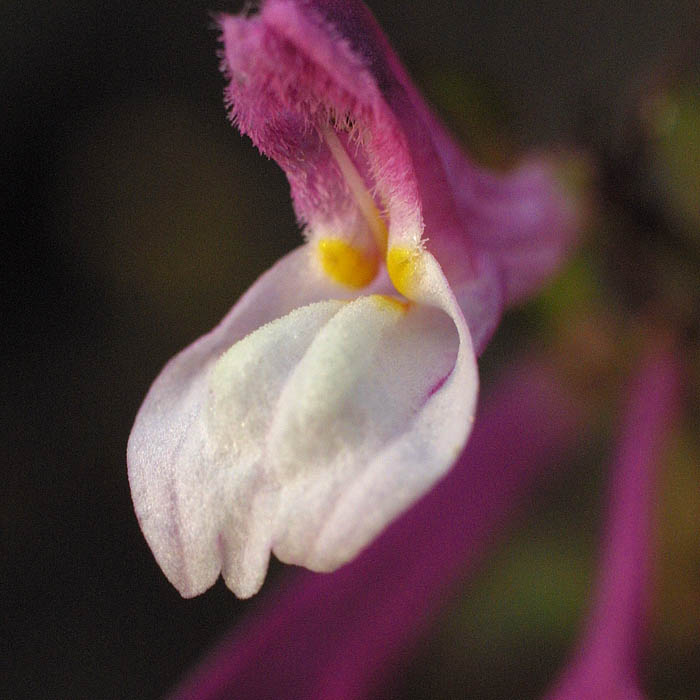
x=300, y=67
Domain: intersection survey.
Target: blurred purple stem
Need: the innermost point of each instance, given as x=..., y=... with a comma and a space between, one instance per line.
x=341, y=635
x=605, y=665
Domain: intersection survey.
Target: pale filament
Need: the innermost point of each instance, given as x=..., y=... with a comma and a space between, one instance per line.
x=364, y=199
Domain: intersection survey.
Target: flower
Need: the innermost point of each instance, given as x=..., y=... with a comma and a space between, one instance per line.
x=342, y=385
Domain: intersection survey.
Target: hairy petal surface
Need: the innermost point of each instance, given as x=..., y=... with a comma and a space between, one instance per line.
x=341, y=636
x=304, y=437
x=312, y=77
x=168, y=435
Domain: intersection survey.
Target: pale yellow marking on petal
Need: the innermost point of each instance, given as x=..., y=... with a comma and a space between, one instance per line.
x=389, y=303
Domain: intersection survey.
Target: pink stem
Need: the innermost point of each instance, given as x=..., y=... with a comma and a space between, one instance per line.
x=607, y=658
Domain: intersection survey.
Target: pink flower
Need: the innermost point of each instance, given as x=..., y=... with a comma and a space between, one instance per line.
x=343, y=384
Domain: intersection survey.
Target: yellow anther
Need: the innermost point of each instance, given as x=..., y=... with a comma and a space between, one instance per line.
x=403, y=266
x=345, y=264
x=390, y=303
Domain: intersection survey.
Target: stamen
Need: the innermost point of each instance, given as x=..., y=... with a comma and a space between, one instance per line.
x=357, y=187
x=404, y=268
x=346, y=264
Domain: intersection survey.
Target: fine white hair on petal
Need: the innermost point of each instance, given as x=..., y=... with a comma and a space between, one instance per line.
x=243, y=389
x=194, y=461
x=410, y=464
x=367, y=375
x=167, y=437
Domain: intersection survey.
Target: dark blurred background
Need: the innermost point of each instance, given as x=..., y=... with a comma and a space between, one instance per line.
x=134, y=216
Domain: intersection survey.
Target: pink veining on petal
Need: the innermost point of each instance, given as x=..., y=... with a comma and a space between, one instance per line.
x=606, y=662
x=338, y=635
